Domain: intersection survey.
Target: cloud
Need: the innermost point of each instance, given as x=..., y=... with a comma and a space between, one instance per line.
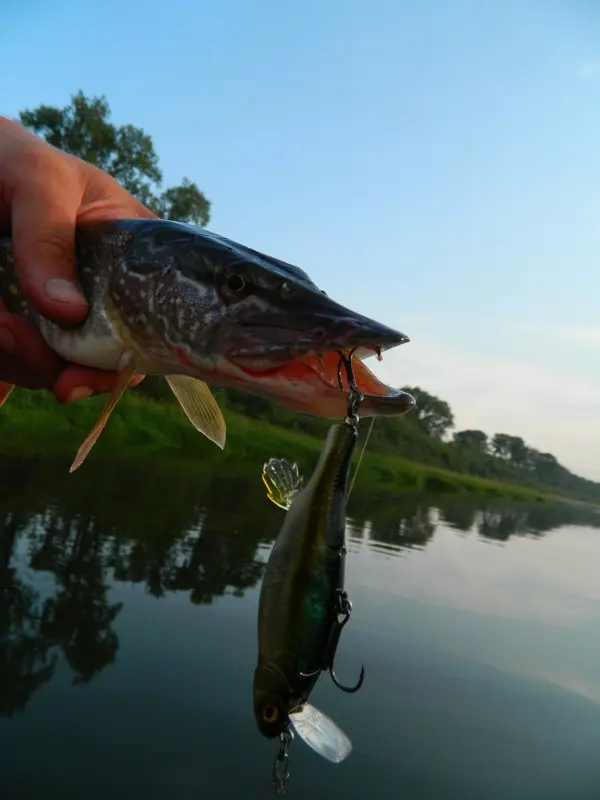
x=589, y=70
x=586, y=336
x=554, y=410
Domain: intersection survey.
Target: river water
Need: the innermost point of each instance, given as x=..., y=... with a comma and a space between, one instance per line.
x=128, y=603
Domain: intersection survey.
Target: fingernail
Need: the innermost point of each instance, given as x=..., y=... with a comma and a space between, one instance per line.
x=79, y=393
x=65, y=292
x=7, y=341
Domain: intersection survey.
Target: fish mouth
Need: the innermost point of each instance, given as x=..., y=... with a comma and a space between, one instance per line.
x=287, y=350
x=315, y=384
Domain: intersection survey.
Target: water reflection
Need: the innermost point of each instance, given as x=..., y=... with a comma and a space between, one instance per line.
x=408, y=521
x=25, y=659
x=64, y=540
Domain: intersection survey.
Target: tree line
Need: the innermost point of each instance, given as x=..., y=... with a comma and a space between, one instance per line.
x=424, y=435
x=501, y=455
x=84, y=129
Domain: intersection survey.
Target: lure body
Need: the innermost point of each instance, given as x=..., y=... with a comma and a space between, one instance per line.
x=301, y=589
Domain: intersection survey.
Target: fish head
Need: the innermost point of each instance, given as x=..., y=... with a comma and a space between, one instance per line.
x=233, y=316
x=272, y=699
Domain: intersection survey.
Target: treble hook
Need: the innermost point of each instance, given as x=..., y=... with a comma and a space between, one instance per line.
x=280, y=762
x=355, y=396
x=345, y=608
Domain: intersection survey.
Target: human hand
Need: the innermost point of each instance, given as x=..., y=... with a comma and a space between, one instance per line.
x=44, y=193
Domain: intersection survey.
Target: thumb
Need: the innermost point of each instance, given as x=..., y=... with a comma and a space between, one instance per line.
x=43, y=218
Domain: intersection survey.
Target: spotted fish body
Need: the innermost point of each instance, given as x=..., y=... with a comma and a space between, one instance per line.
x=146, y=283
x=174, y=300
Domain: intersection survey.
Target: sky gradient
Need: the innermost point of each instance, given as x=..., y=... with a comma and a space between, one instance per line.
x=435, y=165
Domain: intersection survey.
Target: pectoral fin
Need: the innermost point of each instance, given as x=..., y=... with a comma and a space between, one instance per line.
x=5, y=390
x=200, y=406
x=125, y=375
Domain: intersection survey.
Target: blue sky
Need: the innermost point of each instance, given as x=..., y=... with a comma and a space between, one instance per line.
x=433, y=164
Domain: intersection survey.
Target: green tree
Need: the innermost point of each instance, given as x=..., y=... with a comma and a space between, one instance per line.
x=519, y=451
x=544, y=465
x=471, y=440
x=512, y=449
x=83, y=129
x=432, y=415
x=501, y=445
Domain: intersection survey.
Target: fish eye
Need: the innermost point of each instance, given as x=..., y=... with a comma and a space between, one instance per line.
x=270, y=714
x=234, y=282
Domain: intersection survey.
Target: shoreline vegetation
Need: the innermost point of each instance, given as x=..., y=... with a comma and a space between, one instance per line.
x=34, y=426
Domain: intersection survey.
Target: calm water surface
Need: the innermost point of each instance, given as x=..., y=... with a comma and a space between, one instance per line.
x=128, y=602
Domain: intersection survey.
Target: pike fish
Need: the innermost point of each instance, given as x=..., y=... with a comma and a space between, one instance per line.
x=303, y=606
x=170, y=299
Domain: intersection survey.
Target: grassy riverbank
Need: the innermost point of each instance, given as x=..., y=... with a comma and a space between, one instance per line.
x=33, y=424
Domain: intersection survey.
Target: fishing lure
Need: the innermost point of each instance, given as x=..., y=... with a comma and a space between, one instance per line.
x=303, y=606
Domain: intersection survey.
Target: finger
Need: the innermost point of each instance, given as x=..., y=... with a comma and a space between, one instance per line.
x=25, y=358
x=77, y=383
x=104, y=198
x=44, y=209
